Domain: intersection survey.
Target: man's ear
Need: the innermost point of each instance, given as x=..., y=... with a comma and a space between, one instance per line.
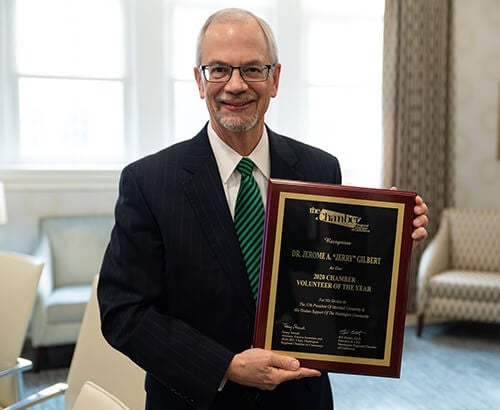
x=276, y=79
x=199, y=81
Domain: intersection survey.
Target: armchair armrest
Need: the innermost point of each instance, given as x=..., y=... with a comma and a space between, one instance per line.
x=43, y=252
x=17, y=370
x=21, y=365
x=39, y=397
x=45, y=288
x=435, y=258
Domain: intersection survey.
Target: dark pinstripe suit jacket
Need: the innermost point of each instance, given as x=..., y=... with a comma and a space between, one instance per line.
x=173, y=291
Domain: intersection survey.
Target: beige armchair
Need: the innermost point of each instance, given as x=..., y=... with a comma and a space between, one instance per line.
x=459, y=272
x=72, y=248
x=19, y=276
x=96, y=361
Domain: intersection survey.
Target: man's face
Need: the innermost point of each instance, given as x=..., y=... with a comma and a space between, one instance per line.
x=236, y=105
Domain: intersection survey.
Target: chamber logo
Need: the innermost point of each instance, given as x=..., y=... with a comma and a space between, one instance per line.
x=339, y=218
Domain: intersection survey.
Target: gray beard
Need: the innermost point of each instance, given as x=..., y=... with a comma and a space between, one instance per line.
x=236, y=125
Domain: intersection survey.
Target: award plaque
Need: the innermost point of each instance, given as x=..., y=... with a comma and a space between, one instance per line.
x=334, y=276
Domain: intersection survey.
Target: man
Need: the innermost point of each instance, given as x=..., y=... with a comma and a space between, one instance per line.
x=173, y=290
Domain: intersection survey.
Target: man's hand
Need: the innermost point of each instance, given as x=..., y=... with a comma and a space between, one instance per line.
x=265, y=370
x=420, y=221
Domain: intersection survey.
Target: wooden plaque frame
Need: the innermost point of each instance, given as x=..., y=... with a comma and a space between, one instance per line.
x=334, y=276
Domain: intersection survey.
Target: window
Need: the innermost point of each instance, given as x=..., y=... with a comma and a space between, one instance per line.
x=97, y=83
x=344, y=82
x=68, y=80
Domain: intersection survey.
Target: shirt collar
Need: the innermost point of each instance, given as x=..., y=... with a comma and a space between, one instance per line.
x=227, y=158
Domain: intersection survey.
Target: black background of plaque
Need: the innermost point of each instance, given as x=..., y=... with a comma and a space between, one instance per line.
x=303, y=231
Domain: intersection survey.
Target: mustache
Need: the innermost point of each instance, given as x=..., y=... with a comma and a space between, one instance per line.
x=241, y=98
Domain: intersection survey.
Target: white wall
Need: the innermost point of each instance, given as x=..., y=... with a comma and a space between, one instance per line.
x=477, y=83
x=31, y=195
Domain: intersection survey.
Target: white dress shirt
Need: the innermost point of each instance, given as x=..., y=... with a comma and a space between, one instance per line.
x=227, y=159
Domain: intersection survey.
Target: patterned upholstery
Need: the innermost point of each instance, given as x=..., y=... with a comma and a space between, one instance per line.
x=459, y=273
x=474, y=239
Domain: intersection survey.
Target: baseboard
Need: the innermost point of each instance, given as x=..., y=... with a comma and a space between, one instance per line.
x=49, y=357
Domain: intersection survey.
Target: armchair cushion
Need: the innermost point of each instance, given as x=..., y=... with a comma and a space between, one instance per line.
x=466, y=285
x=67, y=304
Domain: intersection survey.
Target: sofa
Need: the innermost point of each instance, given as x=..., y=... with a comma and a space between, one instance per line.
x=459, y=272
x=72, y=248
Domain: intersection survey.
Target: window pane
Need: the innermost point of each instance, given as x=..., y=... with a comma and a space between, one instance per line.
x=184, y=45
x=345, y=7
x=190, y=110
x=70, y=37
x=70, y=119
x=346, y=121
x=344, y=41
x=353, y=55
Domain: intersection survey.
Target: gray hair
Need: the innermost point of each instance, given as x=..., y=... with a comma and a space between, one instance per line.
x=234, y=14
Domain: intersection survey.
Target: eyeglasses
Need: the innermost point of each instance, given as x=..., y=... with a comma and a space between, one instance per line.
x=222, y=73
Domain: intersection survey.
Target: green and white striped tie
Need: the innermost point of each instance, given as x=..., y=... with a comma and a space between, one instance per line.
x=249, y=222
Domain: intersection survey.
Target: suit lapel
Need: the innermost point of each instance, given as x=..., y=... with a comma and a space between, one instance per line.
x=283, y=159
x=206, y=194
